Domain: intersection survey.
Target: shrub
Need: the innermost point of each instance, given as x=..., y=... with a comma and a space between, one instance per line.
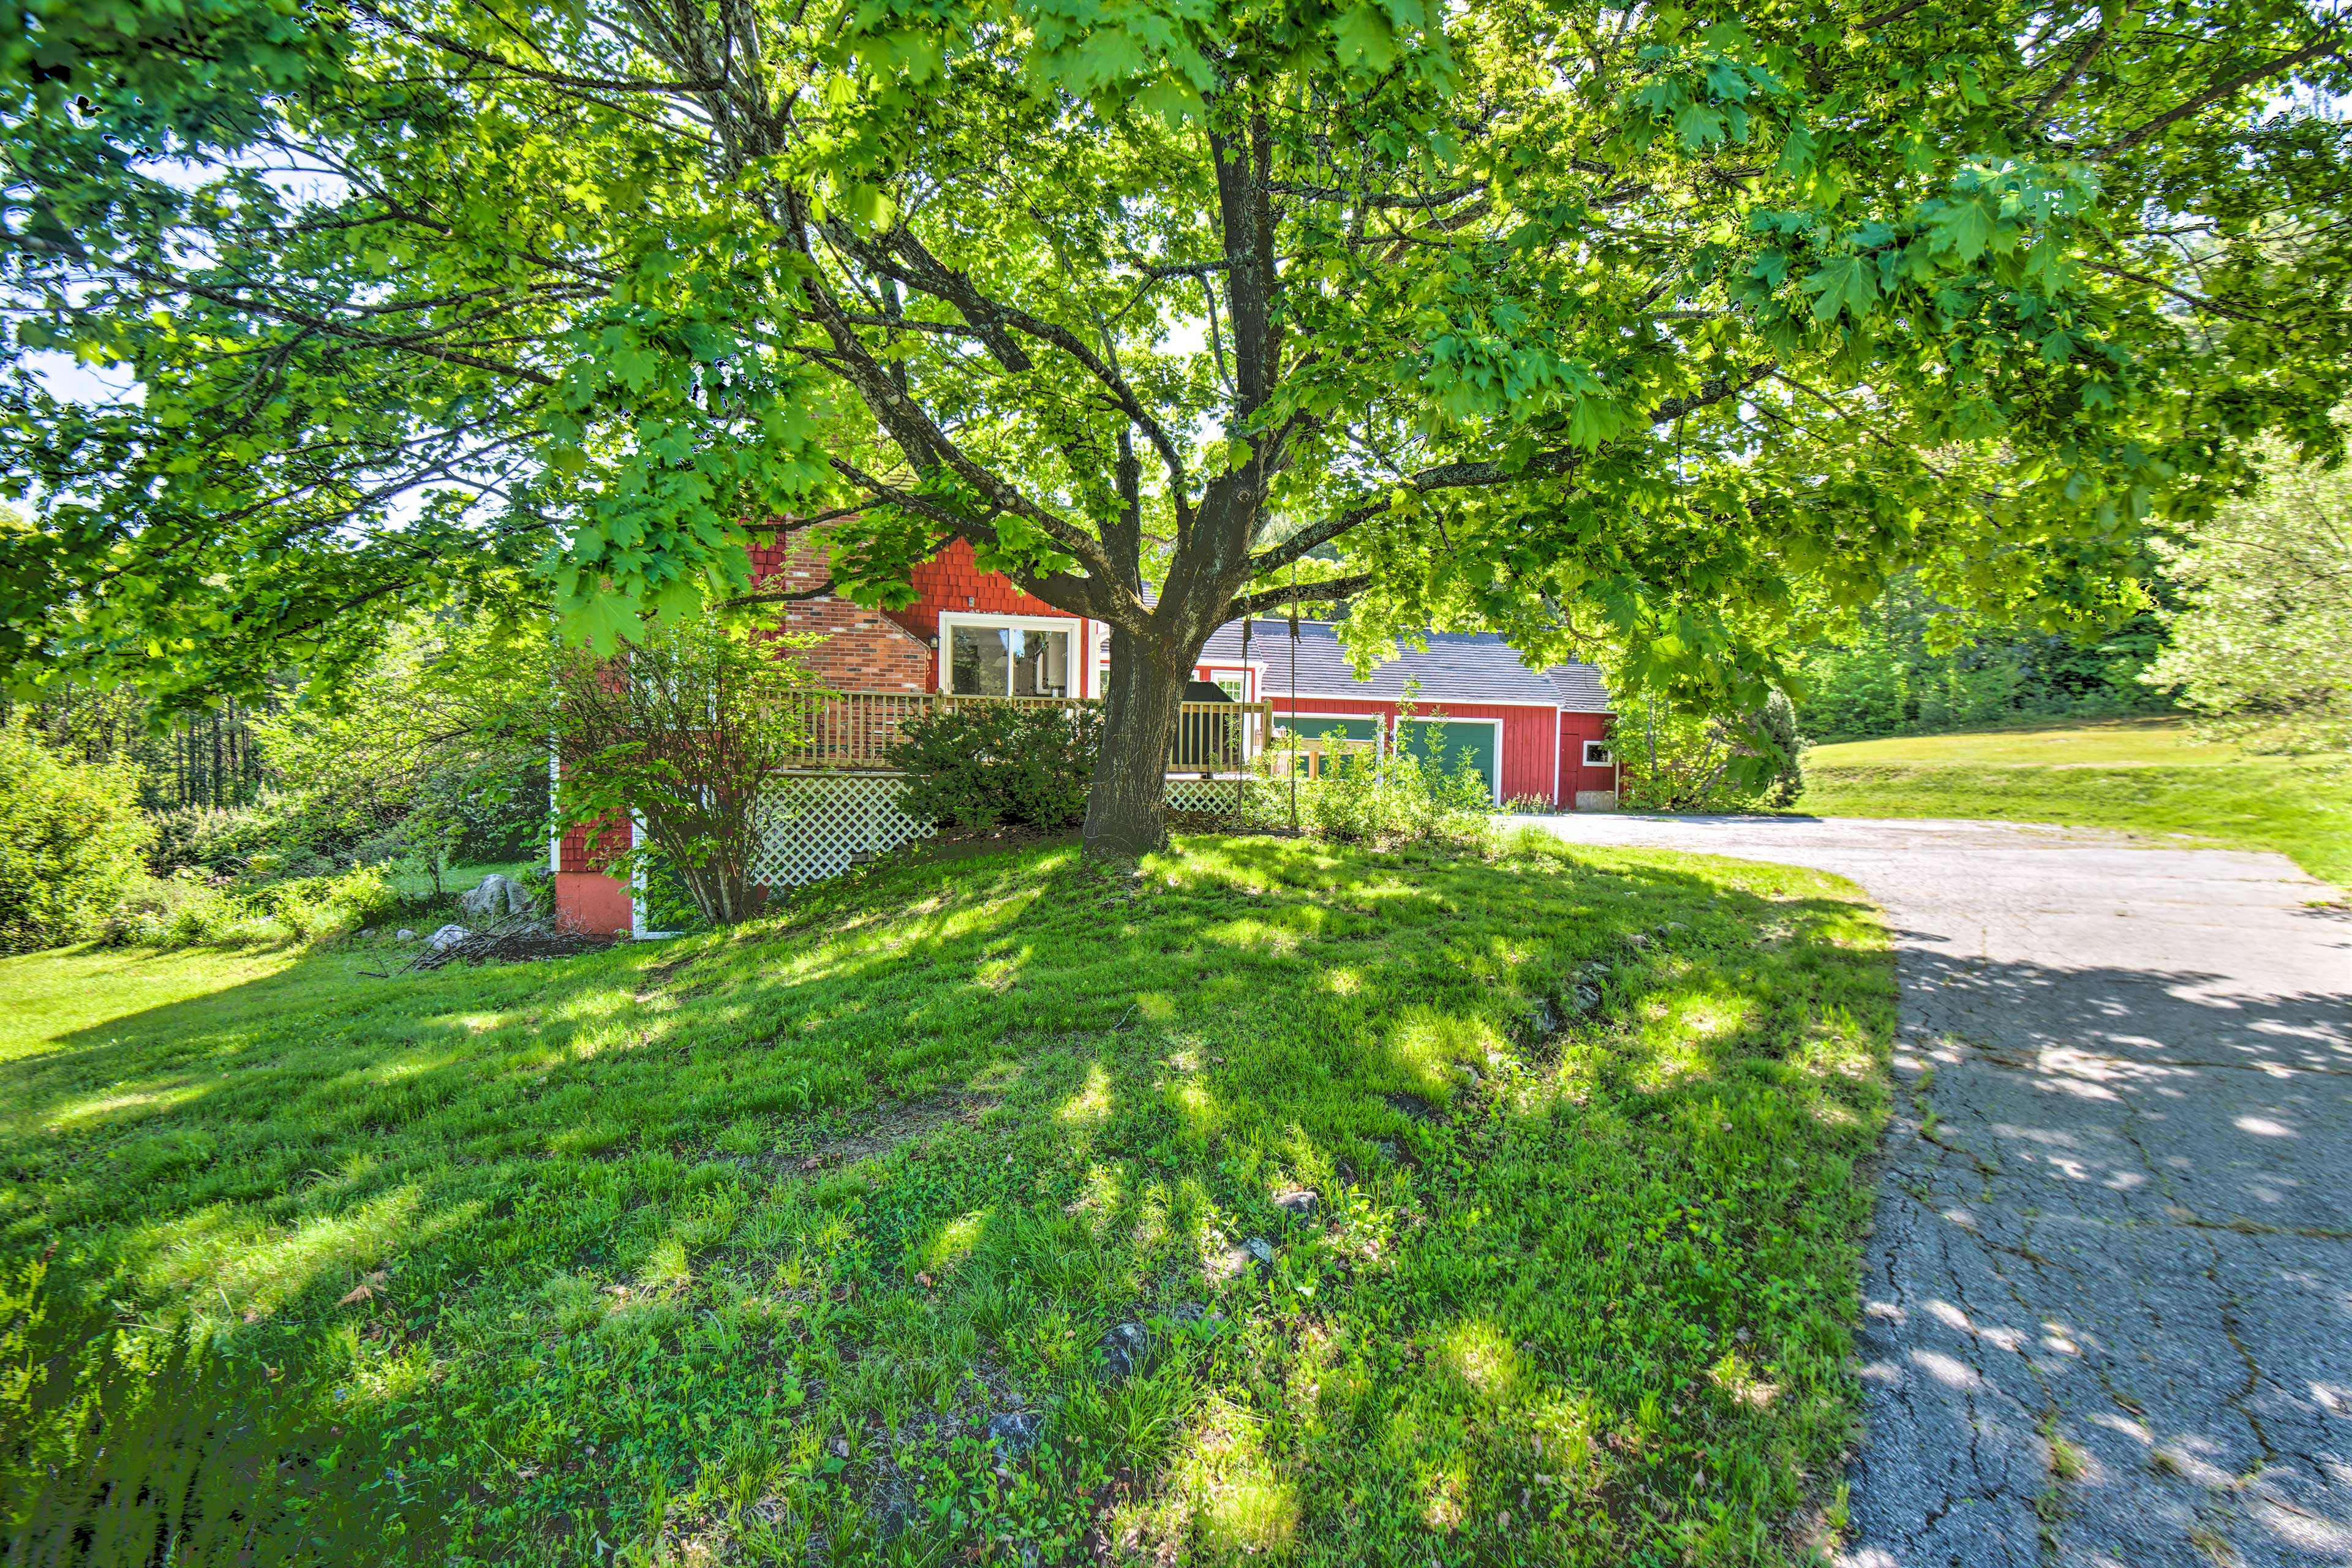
x=686, y=730
x=1366, y=796
x=271, y=838
x=983, y=764
x=1777, y=726
x=186, y=909
x=71, y=840
x=2261, y=644
x=1673, y=761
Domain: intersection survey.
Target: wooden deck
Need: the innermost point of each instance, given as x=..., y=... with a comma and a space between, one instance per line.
x=853, y=731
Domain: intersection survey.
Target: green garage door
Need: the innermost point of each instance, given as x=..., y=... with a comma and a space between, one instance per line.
x=1468, y=742
x=1315, y=726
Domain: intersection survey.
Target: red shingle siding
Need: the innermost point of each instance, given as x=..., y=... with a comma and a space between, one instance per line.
x=952, y=581
x=862, y=651
x=580, y=854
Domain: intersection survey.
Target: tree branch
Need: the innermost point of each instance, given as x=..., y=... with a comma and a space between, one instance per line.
x=1327, y=591
x=2324, y=45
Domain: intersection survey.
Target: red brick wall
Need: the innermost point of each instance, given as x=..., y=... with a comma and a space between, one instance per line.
x=862, y=651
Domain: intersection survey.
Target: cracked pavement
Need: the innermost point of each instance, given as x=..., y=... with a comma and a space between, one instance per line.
x=2108, y=1301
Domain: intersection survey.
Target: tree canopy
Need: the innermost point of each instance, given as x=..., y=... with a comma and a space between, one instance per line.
x=2262, y=645
x=1663, y=331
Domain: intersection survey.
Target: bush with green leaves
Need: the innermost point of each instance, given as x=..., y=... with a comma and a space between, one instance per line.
x=1909, y=663
x=71, y=839
x=187, y=910
x=1671, y=760
x=1367, y=795
x=1777, y=726
x=433, y=754
x=989, y=764
x=684, y=731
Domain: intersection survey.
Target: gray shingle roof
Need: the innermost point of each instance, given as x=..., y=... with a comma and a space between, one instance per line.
x=1466, y=666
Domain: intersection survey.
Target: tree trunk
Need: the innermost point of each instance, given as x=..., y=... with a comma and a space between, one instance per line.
x=1126, y=811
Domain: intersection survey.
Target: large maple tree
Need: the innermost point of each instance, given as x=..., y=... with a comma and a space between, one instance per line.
x=1656, y=332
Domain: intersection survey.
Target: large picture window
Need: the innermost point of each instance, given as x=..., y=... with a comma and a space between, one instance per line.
x=986, y=660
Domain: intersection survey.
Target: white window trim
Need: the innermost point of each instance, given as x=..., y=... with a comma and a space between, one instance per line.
x=949, y=619
x=1283, y=695
x=1209, y=672
x=1608, y=757
x=638, y=930
x=1450, y=721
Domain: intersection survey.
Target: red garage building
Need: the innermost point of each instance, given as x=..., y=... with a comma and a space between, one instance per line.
x=1536, y=735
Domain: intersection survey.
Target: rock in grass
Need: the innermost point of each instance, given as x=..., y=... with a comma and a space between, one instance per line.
x=447, y=937
x=1014, y=1433
x=1126, y=1352
x=1300, y=1205
x=1262, y=1251
x=1544, y=1019
x=1587, y=999
x=487, y=900
x=404, y=934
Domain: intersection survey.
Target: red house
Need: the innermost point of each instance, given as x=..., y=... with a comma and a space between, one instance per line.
x=1536, y=735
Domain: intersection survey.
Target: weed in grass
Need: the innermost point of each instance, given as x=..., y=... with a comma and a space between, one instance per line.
x=733, y=1248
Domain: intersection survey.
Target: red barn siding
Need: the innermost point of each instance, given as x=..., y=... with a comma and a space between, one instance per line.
x=592, y=901
x=586, y=899
x=1527, y=738
x=1575, y=729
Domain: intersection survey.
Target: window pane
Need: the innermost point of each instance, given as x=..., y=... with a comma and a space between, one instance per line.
x=978, y=661
x=1041, y=664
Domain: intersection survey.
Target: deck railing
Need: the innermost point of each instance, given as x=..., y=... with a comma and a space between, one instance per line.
x=853, y=731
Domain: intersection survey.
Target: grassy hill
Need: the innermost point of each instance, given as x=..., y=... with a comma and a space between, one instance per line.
x=2148, y=776
x=961, y=1213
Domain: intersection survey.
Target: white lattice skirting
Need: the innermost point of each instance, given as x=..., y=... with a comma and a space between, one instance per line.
x=815, y=826
x=1200, y=795
x=818, y=826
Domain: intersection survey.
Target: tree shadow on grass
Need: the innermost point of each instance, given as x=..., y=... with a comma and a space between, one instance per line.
x=586, y=1155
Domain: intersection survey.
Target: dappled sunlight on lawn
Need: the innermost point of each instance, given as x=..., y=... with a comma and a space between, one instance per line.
x=1407, y=1225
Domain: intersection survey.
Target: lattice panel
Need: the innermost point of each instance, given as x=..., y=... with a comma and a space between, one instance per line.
x=814, y=827
x=1201, y=794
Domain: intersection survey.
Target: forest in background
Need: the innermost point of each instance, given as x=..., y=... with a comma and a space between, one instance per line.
x=1889, y=678
x=204, y=759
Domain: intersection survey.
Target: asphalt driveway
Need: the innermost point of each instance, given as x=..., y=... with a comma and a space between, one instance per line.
x=2107, y=1309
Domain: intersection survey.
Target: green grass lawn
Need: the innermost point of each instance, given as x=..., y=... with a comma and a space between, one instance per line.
x=2148, y=776
x=730, y=1249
